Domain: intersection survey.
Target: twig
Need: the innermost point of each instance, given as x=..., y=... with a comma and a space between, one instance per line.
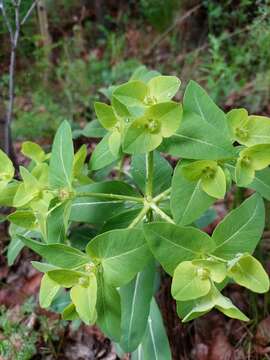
x=14, y=39
x=170, y=28
x=29, y=12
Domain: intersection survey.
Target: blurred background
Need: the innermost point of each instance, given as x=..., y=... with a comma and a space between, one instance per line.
x=68, y=51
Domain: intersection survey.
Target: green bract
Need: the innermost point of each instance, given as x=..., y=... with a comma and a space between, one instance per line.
x=249, y=130
x=210, y=174
x=256, y=157
x=103, y=228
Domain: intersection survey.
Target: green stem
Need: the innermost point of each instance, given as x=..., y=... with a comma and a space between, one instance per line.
x=162, y=195
x=120, y=168
x=149, y=182
x=110, y=196
x=162, y=214
x=149, y=174
x=139, y=217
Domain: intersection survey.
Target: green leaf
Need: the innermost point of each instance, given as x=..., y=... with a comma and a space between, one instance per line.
x=162, y=172
x=84, y=299
x=33, y=151
x=217, y=270
x=108, y=309
x=93, y=129
x=143, y=74
x=213, y=180
x=105, y=115
x=57, y=222
x=241, y=229
x=215, y=185
x=57, y=254
x=260, y=183
x=95, y=210
x=188, y=283
x=163, y=88
x=196, y=100
x=30, y=181
x=122, y=254
x=249, y=130
x=248, y=272
x=43, y=267
x=135, y=304
x=172, y=244
x=225, y=305
x=16, y=245
x=48, y=291
x=79, y=161
x=188, y=200
x=139, y=138
x=67, y=278
x=115, y=142
x=130, y=95
x=214, y=299
x=258, y=156
x=8, y=193
x=121, y=220
x=197, y=139
x=196, y=169
x=237, y=120
x=244, y=173
x=70, y=313
x=155, y=345
x=61, y=162
x=259, y=130
x=102, y=155
x=23, y=218
x=145, y=133
x=6, y=167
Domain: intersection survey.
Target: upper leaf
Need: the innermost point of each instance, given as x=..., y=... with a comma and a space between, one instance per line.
x=102, y=155
x=196, y=100
x=6, y=167
x=198, y=139
x=162, y=88
x=145, y=133
x=105, y=115
x=61, y=162
x=33, y=151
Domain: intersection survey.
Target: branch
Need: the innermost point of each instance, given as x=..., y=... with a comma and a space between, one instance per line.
x=6, y=20
x=14, y=34
x=170, y=28
x=29, y=12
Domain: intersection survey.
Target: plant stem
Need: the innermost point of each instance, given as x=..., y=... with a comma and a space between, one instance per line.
x=162, y=195
x=149, y=182
x=162, y=214
x=139, y=217
x=110, y=196
x=149, y=174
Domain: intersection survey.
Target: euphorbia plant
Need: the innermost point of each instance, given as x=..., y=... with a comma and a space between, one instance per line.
x=102, y=241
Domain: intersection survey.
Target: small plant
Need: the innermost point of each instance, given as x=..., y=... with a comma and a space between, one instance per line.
x=146, y=217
